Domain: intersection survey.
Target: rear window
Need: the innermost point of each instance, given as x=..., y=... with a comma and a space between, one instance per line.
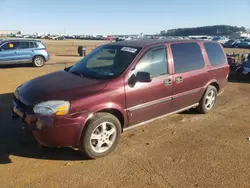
x=215, y=53
x=187, y=57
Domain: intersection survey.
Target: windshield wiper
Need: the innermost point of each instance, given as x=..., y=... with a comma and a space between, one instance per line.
x=77, y=73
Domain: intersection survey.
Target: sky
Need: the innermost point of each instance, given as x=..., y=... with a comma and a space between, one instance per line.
x=111, y=17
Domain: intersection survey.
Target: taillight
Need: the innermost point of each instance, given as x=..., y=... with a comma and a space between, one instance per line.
x=46, y=49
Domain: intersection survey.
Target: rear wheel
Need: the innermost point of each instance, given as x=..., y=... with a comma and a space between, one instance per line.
x=208, y=100
x=38, y=61
x=101, y=135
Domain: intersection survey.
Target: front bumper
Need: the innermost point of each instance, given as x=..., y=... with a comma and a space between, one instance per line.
x=54, y=131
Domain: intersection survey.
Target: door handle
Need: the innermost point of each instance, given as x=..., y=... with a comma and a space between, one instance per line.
x=167, y=82
x=179, y=79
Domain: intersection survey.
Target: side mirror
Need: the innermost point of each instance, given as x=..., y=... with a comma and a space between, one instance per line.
x=139, y=77
x=143, y=77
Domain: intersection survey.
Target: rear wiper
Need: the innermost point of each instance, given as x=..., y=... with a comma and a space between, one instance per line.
x=77, y=73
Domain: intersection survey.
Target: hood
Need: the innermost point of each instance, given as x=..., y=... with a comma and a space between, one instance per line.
x=60, y=85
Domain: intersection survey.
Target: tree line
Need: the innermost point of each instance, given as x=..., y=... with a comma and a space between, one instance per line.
x=215, y=30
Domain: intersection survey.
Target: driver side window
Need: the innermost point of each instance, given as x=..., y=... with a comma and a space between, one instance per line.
x=154, y=62
x=9, y=46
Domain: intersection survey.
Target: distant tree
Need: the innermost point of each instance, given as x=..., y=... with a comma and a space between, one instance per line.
x=19, y=32
x=205, y=30
x=163, y=32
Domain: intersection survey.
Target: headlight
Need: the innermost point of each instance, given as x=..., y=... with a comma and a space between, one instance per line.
x=52, y=108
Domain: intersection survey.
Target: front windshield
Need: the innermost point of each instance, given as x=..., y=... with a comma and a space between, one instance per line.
x=107, y=61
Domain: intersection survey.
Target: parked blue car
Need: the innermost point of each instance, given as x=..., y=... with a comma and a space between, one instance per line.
x=23, y=51
x=244, y=68
x=244, y=44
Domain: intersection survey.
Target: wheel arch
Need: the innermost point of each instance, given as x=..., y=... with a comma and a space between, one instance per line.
x=118, y=113
x=115, y=112
x=214, y=83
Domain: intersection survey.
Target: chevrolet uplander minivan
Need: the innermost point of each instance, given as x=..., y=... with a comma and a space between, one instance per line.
x=119, y=86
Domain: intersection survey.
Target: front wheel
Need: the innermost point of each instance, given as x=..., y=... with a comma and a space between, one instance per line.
x=101, y=135
x=208, y=100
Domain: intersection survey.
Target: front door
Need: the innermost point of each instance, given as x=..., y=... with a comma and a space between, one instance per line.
x=9, y=53
x=149, y=100
x=190, y=75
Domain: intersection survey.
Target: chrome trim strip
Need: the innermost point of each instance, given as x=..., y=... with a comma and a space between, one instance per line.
x=186, y=93
x=144, y=105
x=171, y=113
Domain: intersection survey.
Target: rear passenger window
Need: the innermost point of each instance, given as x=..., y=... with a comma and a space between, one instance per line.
x=187, y=57
x=32, y=45
x=23, y=45
x=153, y=62
x=215, y=53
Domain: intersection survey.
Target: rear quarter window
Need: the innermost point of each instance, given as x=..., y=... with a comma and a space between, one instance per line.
x=31, y=44
x=215, y=54
x=35, y=45
x=187, y=57
x=40, y=45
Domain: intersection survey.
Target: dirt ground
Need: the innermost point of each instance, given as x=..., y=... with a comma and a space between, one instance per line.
x=184, y=150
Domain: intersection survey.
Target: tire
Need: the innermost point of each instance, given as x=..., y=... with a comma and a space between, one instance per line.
x=38, y=61
x=204, y=106
x=80, y=53
x=94, y=136
x=79, y=50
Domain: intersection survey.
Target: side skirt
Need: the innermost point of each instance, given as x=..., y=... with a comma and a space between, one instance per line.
x=171, y=113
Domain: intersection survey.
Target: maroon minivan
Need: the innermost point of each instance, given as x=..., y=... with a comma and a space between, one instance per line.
x=119, y=86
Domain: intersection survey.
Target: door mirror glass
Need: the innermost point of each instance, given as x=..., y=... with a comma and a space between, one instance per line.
x=143, y=77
